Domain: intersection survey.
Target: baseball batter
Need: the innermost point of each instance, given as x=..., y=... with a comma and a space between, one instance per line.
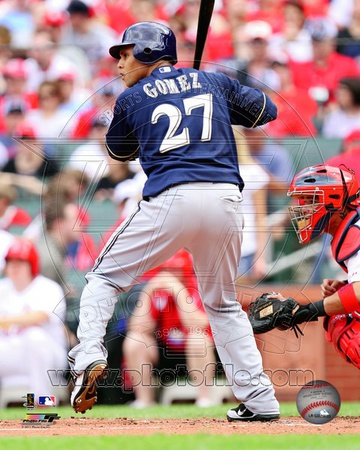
x=178, y=122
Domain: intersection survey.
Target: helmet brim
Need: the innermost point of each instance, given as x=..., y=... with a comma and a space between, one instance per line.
x=115, y=49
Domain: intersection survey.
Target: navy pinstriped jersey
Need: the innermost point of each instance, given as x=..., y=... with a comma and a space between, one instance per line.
x=178, y=121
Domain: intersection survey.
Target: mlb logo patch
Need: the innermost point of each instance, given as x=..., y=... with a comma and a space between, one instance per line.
x=47, y=400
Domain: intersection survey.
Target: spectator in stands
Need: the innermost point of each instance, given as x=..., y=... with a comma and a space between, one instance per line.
x=18, y=18
x=14, y=116
x=253, y=264
x=296, y=109
x=84, y=31
x=69, y=186
x=63, y=243
x=294, y=39
x=80, y=248
x=30, y=158
x=350, y=156
x=72, y=184
x=235, y=12
x=32, y=314
x=15, y=75
x=126, y=196
x=256, y=71
x=60, y=229
x=52, y=21
x=219, y=40
x=92, y=158
x=49, y=119
x=251, y=63
x=73, y=98
x=345, y=116
x=46, y=233
x=11, y=215
x=348, y=39
x=269, y=11
x=123, y=13
x=146, y=10
x=46, y=63
x=169, y=313
x=98, y=106
x=321, y=76
x=273, y=158
x=117, y=172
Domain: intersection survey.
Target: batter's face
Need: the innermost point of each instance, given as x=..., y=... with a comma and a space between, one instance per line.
x=131, y=70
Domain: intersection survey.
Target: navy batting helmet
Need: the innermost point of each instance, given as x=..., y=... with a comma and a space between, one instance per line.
x=152, y=41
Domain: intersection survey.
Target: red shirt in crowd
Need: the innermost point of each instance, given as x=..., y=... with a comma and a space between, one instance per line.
x=351, y=160
x=307, y=75
x=170, y=329
x=296, y=110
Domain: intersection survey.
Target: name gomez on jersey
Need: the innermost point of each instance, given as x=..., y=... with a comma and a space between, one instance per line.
x=178, y=122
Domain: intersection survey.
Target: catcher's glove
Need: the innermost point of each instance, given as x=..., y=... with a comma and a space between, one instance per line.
x=266, y=313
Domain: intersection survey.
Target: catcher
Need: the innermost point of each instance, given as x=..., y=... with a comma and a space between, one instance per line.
x=326, y=199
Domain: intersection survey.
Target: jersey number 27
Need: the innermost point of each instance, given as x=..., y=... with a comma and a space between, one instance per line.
x=173, y=140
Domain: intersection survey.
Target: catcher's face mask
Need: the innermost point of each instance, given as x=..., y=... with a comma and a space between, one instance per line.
x=319, y=191
x=308, y=215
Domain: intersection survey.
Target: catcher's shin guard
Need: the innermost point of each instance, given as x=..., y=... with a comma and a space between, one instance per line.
x=343, y=330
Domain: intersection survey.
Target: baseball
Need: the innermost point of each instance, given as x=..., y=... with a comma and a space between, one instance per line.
x=318, y=402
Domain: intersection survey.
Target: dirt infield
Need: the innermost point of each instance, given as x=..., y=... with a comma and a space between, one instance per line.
x=109, y=427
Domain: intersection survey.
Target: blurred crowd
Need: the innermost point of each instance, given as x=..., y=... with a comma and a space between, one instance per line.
x=58, y=86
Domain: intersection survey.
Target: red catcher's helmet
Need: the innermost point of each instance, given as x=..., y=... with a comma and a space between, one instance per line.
x=24, y=250
x=320, y=191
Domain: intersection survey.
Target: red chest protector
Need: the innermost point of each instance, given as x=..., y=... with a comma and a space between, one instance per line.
x=346, y=241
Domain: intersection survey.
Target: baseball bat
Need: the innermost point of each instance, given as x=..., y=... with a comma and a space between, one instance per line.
x=205, y=13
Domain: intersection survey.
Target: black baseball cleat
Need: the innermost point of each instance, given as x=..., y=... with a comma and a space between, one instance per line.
x=84, y=394
x=242, y=413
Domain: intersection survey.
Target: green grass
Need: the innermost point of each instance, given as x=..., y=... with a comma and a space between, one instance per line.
x=178, y=442
x=196, y=442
